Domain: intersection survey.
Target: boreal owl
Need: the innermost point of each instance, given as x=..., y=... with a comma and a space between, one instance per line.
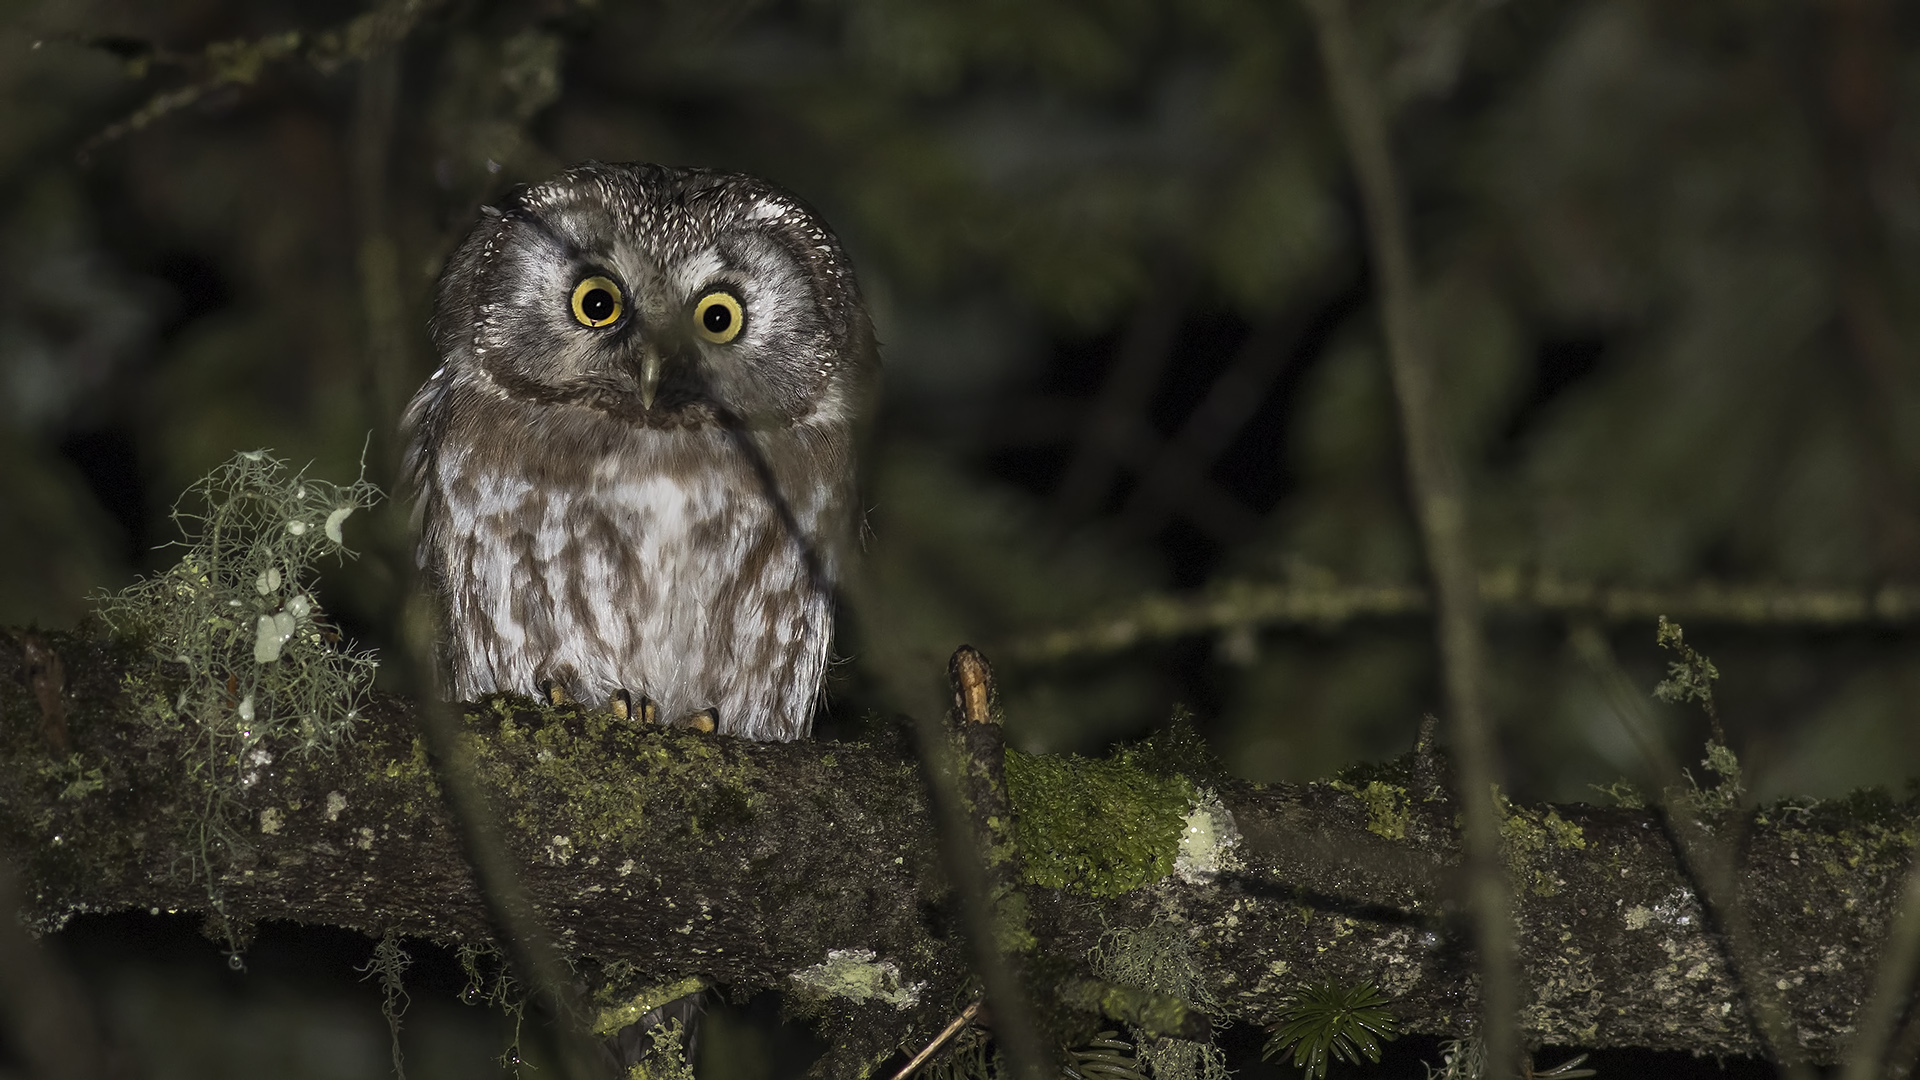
x=633, y=470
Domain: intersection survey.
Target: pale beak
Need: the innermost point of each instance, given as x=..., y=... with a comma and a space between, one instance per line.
x=649, y=375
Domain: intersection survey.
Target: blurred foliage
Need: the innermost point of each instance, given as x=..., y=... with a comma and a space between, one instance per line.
x=1668, y=253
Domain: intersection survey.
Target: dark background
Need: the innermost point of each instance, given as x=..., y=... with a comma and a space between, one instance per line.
x=1668, y=254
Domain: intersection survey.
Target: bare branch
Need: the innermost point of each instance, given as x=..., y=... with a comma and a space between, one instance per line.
x=1231, y=604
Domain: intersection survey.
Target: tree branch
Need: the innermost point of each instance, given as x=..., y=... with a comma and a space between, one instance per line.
x=811, y=868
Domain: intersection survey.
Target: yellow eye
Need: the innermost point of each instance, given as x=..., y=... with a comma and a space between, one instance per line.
x=596, y=301
x=718, y=318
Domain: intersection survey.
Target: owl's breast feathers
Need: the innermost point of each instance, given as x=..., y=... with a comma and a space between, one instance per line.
x=568, y=546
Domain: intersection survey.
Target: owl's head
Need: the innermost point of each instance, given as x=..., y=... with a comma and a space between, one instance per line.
x=663, y=297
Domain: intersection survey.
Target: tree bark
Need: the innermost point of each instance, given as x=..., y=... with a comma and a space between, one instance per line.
x=771, y=866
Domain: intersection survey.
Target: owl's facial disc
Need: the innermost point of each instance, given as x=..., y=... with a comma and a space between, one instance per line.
x=676, y=307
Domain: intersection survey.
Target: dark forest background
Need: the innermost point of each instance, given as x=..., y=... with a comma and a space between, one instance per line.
x=1670, y=255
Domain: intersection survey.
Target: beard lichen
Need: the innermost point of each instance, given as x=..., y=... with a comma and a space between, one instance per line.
x=1158, y=958
x=244, y=660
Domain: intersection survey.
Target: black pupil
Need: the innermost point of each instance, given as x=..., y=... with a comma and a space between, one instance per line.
x=716, y=318
x=597, y=305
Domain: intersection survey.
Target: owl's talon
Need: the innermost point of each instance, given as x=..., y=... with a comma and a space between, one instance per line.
x=553, y=692
x=705, y=720
x=624, y=707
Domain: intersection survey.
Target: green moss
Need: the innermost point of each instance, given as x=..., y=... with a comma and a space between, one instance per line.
x=1865, y=828
x=613, y=1018
x=1156, y=1015
x=1623, y=794
x=1389, y=809
x=1099, y=826
x=603, y=778
x=1526, y=835
x=1397, y=772
x=668, y=1059
x=76, y=781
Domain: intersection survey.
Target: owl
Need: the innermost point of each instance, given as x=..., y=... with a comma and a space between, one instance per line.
x=633, y=470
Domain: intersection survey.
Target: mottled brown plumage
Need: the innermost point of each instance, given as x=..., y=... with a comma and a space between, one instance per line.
x=634, y=467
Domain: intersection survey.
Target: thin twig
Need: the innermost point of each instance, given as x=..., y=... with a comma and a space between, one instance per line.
x=1212, y=425
x=1710, y=864
x=1232, y=604
x=1891, y=986
x=1441, y=508
x=1040, y=422
x=946, y=1036
x=1104, y=436
x=225, y=64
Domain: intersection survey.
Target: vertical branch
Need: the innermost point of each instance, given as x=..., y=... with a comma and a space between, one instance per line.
x=1440, y=505
x=1013, y=1019
x=1891, y=986
x=1859, y=119
x=977, y=711
x=1012, y=1015
x=1711, y=863
x=529, y=948
x=381, y=301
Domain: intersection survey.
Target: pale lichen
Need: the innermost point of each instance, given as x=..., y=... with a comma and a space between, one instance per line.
x=858, y=975
x=1209, y=843
x=1158, y=958
x=630, y=1011
x=244, y=661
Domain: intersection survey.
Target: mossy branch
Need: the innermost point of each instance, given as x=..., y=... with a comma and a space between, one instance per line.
x=811, y=868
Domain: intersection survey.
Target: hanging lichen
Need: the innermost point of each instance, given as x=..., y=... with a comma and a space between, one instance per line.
x=389, y=963
x=1159, y=958
x=248, y=664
